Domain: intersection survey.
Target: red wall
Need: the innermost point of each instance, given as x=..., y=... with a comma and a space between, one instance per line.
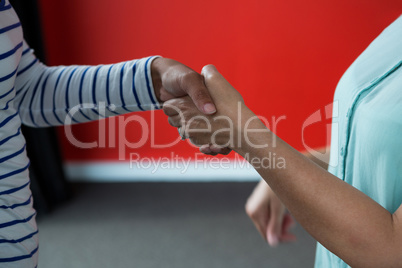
x=285, y=57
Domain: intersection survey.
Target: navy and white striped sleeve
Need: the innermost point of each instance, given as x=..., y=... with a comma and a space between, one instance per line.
x=51, y=96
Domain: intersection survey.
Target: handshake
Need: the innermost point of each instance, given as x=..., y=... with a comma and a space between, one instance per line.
x=231, y=126
x=209, y=112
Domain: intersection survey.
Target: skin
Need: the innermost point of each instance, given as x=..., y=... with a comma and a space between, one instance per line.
x=269, y=215
x=267, y=211
x=340, y=217
x=171, y=79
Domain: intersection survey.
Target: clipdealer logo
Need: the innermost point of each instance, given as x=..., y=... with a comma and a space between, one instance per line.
x=117, y=132
x=200, y=162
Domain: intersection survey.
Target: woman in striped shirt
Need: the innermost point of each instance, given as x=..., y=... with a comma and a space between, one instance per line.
x=41, y=96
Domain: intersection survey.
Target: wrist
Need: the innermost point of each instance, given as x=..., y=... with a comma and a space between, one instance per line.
x=157, y=77
x=251, y=132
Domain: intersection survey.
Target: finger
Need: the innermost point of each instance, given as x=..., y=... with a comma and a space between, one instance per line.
x=193, y=85
x=258, y=216
x=215, y=148
x=205, y=149
x=175, y=121
x=209, y=70
x=260, y=224
x=170, y=109
x=225, y=151
x=165, y=95
x=182, y=133
x=213, y=154
x=274, y=228
x=210, y=73
x=220, y=150
x=287, y=224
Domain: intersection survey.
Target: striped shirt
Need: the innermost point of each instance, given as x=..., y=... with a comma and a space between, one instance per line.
x=40, y=96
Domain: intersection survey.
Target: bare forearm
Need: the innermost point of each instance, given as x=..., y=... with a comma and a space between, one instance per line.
x=339, y=216
x=323, y=158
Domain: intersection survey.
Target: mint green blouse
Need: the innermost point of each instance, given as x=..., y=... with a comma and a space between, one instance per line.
x=366, y=141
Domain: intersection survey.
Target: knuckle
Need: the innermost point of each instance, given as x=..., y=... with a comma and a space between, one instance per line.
x=189, y=78
x=207, y=69
x=250, y=210
x=193, y=84
x=192, y=75
x=170, y=103
x=171, y=122
x=167, y=111
x=211, y=75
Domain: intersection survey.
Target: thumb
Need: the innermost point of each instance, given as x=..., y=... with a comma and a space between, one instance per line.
x=194, y=86
x=274, y=228
x=210, y=72
x=218, y=86
x=209, y=69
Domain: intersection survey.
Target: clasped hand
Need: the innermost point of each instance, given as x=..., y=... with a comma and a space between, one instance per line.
x=232, y=127
x=221, y=132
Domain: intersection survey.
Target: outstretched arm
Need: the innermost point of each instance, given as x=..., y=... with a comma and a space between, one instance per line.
x=340, y=217
x=48, y=96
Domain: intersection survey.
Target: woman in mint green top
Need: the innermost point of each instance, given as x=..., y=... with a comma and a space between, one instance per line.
x=354, y=211
x=369, y=134
x=366, y=139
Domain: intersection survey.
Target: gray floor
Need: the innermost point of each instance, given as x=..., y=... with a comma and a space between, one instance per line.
x=178, y=225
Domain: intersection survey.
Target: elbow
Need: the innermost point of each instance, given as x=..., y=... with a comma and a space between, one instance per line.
x=376, y=250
